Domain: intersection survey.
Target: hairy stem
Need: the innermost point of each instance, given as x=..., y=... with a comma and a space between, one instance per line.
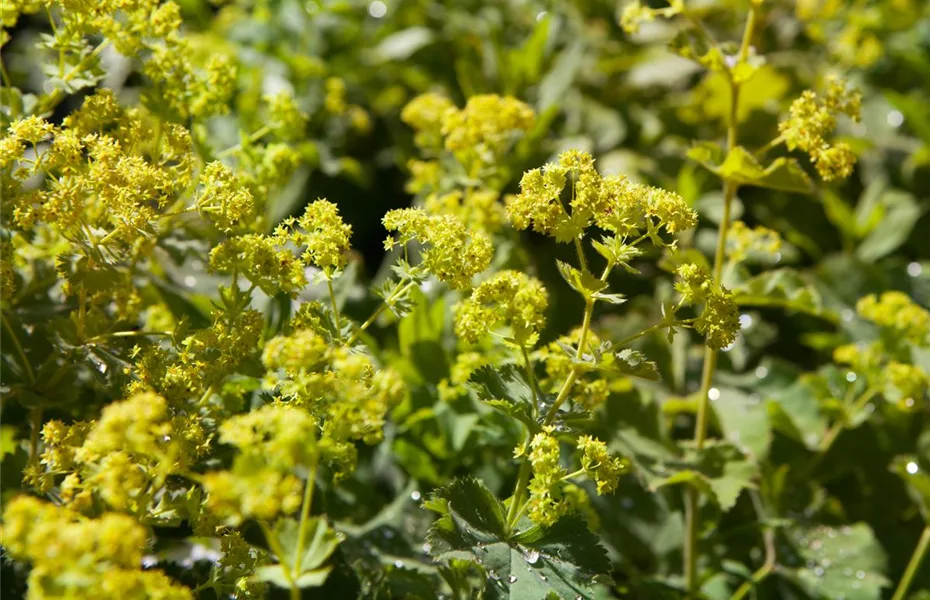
x=710, y=354
x=332, y=299
x=919, y=552
x=398, y=292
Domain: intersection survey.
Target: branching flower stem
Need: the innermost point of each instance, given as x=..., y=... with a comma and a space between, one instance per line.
x=710, y=354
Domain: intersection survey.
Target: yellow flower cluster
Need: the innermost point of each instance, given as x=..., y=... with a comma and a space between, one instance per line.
x=202, y=360
x=588, y=391
x=275, y=442
x=343, y=390
x=719, y=320
x=613, y=203
x=451, y=252
x=909, y=384
x=107, y=170
x=635, y=14
x=121, y=460
x=477, y=208
x=812, y=118
x=76, y=557
x=546, y=504
x=268, y=261
x=744, y=242
x=511, y=297
x=898, y=314
x=223, y=200
x=600, y=465
x=486, y=126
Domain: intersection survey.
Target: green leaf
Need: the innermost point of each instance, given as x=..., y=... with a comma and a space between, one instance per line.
x=7, y=440
x=559, y=79
x=844, y=562
x=744, y=420
x=794, y=412
x=894, y=229
x=582, y=282
x=742, y=168
x=718, y=471
x=403, y=44
x=506, y=389
x=319, y=543
x=563, y=559
x=783, y=288
x=694, y=45
x=633, y=363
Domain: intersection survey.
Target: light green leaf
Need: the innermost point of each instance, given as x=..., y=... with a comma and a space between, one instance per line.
x=744, y=420
x=894, y=229
x=403, y=44
x=741, y=167
x=843, y=562
x=582, y=282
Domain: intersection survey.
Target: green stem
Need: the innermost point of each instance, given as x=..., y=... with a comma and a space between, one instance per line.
x=919, y=552
x=35, y=420
x=523, y=479
x=24, y=361
x=251, y=139
x=278, y=550
x=304, y=517
x=57, y=94
x=834, y=432
x=577, y=473
x=124, y=334
x=710, y=354
x=531, y=378
x=580, y=250
x=398, y=291
x=332, y=298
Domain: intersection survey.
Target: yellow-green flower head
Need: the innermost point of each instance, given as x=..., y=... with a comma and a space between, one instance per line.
x=613, y=203
x=694, y=283
x=426, y=114
x=635, y=14
x=745, y=242
x=909, y=384
x=546, y=504
x=303, y=349
x=252, y=491
x=335, y=100
x=91, y=558
x=671, y=210
x=286, y=119
x=510, y=297
x=487, y=123
x=264, y=260
x=477, y=208
x=812, y=118
x=834, y=162
x=599, y=465
x=719, y=321
x=223, y=199
x=280, y=434
x=326, y=237
x=451, y=253
x=898, y=314
x=138, y=424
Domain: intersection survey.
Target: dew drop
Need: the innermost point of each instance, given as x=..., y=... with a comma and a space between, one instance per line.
x=713, y=393
x=761, y=372
x=427, y=548
x=398, y=563
x=912, y=468
x=914, y=269
x=377, y=9
x=415, y=495
x=818, y=572
x=493, y=575
x=512, y=579
x=745, y=321
x=850, y=376
x=532, y=557
x=895, y=118
x=860, y=574
x=190, y=281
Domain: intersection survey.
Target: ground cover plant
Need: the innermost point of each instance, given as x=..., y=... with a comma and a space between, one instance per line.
x=468, y=299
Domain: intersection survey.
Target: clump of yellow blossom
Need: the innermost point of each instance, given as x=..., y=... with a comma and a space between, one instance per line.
x=719, y=319
x=812, y=118
x=613, y=203
x=93, y=558
x=546, y=504
x=599, y=465
x=511, y=297
x=450, y=252
x=898, y=314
